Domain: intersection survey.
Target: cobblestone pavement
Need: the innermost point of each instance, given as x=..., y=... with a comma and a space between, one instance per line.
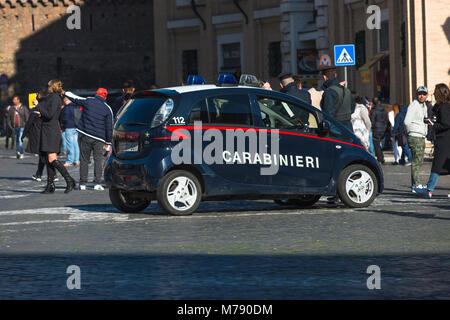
x=228, y=250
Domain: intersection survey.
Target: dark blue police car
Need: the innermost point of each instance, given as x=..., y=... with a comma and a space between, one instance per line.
x=184, y=145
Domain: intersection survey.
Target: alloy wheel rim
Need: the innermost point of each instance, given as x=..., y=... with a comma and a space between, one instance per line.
x=181, y=193
x=359, y=186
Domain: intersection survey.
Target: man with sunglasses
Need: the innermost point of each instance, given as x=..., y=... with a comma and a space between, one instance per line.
x=416, y=122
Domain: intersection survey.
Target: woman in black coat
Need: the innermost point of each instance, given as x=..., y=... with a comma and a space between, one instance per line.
x=49, y=112
x=32, y=131
x=441, y=161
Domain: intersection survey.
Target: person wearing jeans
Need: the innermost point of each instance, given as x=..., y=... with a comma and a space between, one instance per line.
x=73, y=157
x=441, y=160
x=95, y=134
x=17, y=118
x=70, y=134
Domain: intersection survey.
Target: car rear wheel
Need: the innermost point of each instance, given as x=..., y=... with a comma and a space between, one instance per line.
x=179, y=193
x=357, y=186
x=123, y=202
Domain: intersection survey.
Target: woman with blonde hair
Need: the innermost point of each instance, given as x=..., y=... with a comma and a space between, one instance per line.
x=49, y=110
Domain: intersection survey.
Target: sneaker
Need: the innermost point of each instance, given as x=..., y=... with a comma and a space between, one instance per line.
x=409, y=164
x=99, y=187
x=424, y=193
x=18, y=155
x=56, y=179
x=415, y=189
x=21, y=156
x=76, y=164
x=82, y=187
x=36, y=178
x=68, y=164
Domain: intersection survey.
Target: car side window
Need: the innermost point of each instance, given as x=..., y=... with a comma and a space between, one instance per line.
x=199, y=112
x=230, y=109
x=279, y=114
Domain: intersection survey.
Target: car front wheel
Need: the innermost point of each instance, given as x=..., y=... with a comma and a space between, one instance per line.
x=179, y=193
x=357, y=186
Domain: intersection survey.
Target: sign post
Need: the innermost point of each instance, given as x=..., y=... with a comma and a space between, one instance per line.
x=344, y=55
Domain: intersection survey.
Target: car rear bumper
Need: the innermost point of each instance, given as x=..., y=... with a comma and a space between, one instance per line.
x=129, y=177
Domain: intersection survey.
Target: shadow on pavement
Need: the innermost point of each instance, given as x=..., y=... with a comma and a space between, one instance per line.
x=410, y=214
x=203, y=276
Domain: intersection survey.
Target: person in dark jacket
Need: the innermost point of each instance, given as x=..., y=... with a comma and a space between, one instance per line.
x=441, y=161
x=32, y=131
x=399, y=133
x=289, y=86
x=17, y=117
x=49, y=111
x=378, y=117
x=128, y=90
x=337, y=100
x=95, y=129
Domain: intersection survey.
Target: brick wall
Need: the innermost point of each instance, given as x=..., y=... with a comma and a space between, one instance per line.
x=115, y=43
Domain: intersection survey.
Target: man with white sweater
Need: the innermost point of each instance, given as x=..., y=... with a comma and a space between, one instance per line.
x=417, y=128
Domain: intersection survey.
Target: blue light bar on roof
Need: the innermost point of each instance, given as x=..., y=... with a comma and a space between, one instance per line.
x=194, y=79
x=226, y=78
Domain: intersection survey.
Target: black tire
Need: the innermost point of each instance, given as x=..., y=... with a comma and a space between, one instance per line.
x=305, y=201
x=192, y=190
x=369, y=190
x=121, y=201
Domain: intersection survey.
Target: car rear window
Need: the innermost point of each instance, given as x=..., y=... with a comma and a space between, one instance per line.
x=141, y=110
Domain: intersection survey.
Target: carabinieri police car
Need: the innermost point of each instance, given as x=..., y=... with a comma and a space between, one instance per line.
x=188, y=144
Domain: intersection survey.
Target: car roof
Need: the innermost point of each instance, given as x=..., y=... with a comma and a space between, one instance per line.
x=194, y=88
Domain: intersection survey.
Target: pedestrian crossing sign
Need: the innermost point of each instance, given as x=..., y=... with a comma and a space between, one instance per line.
x=344, y=55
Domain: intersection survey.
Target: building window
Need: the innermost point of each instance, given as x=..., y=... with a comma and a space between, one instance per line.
x=275, y=66
x=383, y=37
x=231, y=53
x=360, y=48
x=190, y=63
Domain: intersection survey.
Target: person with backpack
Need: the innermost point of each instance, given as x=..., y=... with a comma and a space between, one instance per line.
x=67, y=121
x=336, y=100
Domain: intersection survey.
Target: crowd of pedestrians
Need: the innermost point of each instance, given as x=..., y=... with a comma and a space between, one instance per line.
x=58, y=126
x=377, y=125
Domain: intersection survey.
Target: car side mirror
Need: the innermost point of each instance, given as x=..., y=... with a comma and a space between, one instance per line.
x=324, y=127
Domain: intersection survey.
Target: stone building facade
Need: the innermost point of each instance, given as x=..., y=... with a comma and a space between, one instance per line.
x=411, y=49
x=254, y=37
x=115, y=42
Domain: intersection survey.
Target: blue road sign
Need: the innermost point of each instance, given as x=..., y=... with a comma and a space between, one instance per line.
x=344, y=55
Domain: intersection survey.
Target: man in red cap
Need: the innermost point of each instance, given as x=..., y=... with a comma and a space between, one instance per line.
x=95, y=134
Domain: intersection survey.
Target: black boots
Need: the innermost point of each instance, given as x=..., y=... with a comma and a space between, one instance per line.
x=69, y=180
x=50, y=180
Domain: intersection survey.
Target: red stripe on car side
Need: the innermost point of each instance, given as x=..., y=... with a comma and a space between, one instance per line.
x=174, y=130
